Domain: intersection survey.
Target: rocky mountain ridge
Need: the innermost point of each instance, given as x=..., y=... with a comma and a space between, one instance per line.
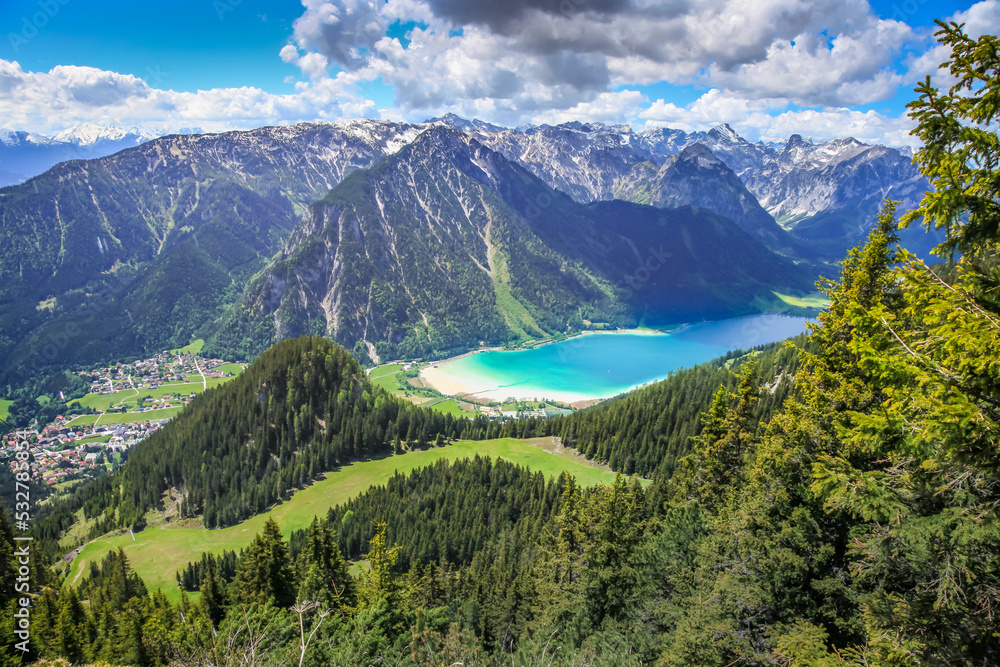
x=828, y=193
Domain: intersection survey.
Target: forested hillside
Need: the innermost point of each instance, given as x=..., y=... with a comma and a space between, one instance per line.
x=301, y=409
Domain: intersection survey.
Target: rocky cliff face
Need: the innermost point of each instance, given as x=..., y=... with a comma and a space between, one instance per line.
x=448, y=243
x=826, y=194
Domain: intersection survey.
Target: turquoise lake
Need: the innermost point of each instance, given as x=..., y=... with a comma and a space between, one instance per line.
x=602, y=365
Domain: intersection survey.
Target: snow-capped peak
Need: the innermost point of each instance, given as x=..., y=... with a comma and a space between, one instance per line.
x=456, y=121
x=726, y=133
x=19, y=138
x=89, y=134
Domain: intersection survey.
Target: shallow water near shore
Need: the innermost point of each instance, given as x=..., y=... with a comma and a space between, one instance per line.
x=601, y=365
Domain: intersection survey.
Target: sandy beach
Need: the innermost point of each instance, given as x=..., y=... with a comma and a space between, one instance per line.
x=434, y=378
x=486, y=393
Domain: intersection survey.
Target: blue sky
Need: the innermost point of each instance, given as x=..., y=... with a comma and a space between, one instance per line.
x=190, y=43
x=833, y=66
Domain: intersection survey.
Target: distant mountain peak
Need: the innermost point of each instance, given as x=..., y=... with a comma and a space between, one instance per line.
x=20, y=138
x=796, y=141
x=474, y=125
x=88, y=134
x=701, y=154
x=844, y=142
x=726, y=133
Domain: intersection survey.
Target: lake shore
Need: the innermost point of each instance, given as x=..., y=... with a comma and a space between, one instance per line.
x=586, y=368
x=434, y=376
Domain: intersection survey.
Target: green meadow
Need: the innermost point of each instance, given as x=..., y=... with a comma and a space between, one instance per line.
x=816, y=300
x=193, y=347
x=158, y=552
x=449, y=407
x=234, y=368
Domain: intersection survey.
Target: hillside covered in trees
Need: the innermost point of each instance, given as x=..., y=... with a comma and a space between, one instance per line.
x=301, y=409
x=856, y=523
x=647, y=431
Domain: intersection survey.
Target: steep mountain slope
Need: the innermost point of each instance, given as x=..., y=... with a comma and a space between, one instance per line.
x=827, y=194
x=696, y=177
x=447, y=244
x=193, y=216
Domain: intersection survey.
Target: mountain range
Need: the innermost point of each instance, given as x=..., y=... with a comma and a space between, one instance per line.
x=27, y=154
x=416, y=239
x=440, y=246
x=826, y=193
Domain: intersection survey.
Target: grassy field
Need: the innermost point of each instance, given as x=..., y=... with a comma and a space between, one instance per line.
x=158, y=552
x=385, y=371
x=191, y=348
x=235, y=369
x=5, y=407
x=450, y=407
x=816, y=300
x=126, y=418
x=61, y=487
x=104, y=401
x=93, y=441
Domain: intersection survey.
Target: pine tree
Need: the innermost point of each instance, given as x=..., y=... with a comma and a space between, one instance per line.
x=920, y=389
x=45, y=622
x=728, y=433
x=265, y=571
x=560, y=569
x=212, y=591
x=379, y=581
x=613, y=578
x=70, y=627
x=323, y=571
